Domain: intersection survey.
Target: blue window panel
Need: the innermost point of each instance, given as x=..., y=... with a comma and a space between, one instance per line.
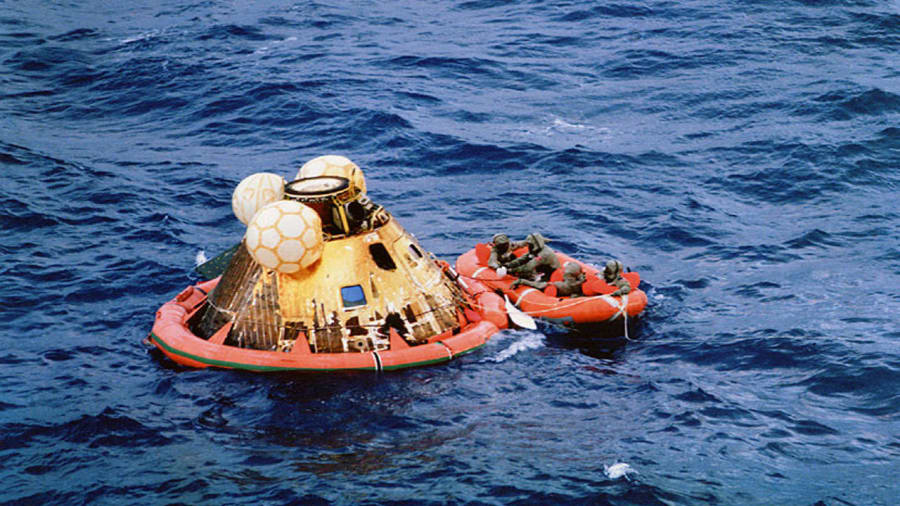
x=353, y=296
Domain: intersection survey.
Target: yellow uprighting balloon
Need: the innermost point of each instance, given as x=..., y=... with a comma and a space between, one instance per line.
x=254, y=193
x=285, y=236
x=334, y=165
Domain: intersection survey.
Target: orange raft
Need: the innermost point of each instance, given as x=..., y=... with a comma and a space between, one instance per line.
x=172, y=335
x=596, y=307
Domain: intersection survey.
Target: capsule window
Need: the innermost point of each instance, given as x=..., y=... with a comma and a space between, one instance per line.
x=382, y=257
x=417, y=253
x=353, y=296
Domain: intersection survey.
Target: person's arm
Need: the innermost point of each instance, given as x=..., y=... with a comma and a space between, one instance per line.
x=518, y=262
x=569, y=287
x=493, y=261
x=623, y=287
x=540, y=285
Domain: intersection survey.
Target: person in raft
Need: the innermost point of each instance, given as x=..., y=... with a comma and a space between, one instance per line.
x=570, y=286
x=538, y=263
x=612, y=274
x=502, y=252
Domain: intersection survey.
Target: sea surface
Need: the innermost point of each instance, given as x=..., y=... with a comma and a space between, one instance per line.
x=744, y=157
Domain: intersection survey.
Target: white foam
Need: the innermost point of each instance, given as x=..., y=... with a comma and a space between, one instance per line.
x=139, y=37
x=527, y=341
x=618, y=470
x=265, y=49
x=565, y=125
x=561, y=126
x=200, y=258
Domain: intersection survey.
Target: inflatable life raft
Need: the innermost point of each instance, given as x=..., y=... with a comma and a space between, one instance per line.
x=324, y=279
x=173, y=336
x=596, y=307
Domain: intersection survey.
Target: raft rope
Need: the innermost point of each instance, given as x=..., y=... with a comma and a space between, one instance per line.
x=449, y=351
x=523, y=294
x=378, y=365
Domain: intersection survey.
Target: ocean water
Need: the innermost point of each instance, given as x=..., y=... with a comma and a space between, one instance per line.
x=744, y=157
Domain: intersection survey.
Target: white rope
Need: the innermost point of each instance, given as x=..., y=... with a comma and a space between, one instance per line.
x=523, y=294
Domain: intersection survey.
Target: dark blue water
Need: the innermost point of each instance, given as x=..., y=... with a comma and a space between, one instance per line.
x=743, y=156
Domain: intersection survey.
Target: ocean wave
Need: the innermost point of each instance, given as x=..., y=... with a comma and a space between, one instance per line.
x=103, y=430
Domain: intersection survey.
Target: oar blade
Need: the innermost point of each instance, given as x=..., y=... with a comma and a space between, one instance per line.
x=519, y=318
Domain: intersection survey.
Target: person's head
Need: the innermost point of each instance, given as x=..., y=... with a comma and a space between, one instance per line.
x=535, y=242
x=501, y=242
x=612, y=270
x=571, y=270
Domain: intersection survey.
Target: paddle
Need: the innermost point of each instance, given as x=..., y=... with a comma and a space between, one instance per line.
x=215, y=267
x=519, y=318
